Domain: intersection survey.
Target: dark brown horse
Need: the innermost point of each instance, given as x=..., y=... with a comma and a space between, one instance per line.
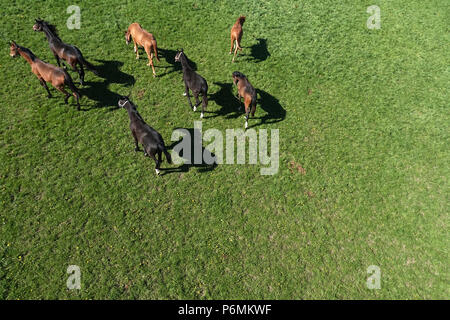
x=64, y=51
x=142, y=133
x=236, y=35
x=47, y=72
x=194, y=81
x=245, y=90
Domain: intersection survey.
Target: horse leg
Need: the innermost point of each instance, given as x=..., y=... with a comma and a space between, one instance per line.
x=152, y=155
x=74, y=67
x=57, y=59
x=61, y=89
x=197, y=101
x=232, y=42
x=136, y=144
x=204, y=103
x=238, y=96
x=187, y=95
x=150, y=60
x=253, y=110
x=136, y=49
x=238, y=42
x=81, y=73
x=247, y=111
x=44, y=84
x=235, y=51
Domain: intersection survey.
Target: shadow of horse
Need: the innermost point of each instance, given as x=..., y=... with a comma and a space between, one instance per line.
x=259, y=51
x=169, y=56
x=271, y=105
x=99, y=90
x=189, y=160
x=226, y=100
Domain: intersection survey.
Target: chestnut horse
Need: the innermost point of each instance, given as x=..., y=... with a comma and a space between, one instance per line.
x=143, y=38
x=246, y=90
x=47, y=72
x=236, y=35
x=71, y=54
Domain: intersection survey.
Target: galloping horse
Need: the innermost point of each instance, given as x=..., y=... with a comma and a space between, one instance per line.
x=194, y=81
x=246, y=90
x=47, y=72
x=64, y=51
x=236, y=35
x=143, y=38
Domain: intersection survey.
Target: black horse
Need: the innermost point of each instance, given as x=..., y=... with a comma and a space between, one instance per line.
x=142, y=133
x=64, y=51
x=194, y=81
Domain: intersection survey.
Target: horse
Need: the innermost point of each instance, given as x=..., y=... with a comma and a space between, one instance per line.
x=142, y=133
x=194, y=81
x=47, y=72
x=71, y=54
x=143, y=38
x=236, y=35
x=245, y=90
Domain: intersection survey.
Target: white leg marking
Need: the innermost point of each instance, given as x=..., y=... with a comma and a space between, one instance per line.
x=157, y=171
x=201, y=116
x=195, y=108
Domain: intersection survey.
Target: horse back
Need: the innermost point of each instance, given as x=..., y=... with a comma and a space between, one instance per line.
x=140, y=35
x=47, y=71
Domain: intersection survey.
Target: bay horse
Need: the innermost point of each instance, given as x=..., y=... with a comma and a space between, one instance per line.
x=245, y=90
x=71, y=54
x=142, y=133
x=236, y=35
x=194, y=81
x=143, y=38
x=47, y=72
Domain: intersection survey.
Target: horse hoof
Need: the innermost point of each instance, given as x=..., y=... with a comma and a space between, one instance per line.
x=194, y=108
x=184, y=94
x=157, y=172
x=154, y=75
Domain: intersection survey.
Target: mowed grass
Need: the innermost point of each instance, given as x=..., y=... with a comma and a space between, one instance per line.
x=363, y=178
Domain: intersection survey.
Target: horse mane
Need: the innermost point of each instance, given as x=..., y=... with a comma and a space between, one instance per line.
x=52, y=28
x=28, y=51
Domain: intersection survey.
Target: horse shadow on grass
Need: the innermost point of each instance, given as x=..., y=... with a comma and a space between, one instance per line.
x=271, y=105
x=258, y=52
x=189, y=160
x=169, y=56
x=229, y=104
x=99, y=91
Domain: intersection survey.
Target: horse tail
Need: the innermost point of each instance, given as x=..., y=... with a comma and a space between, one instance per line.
x=86, y=63
x=162, y=147
x=155, y=49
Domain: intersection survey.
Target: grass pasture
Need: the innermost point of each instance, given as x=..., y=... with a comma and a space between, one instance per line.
x=363, y=178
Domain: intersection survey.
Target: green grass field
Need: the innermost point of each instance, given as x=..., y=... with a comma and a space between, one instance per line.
x=364, y=151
